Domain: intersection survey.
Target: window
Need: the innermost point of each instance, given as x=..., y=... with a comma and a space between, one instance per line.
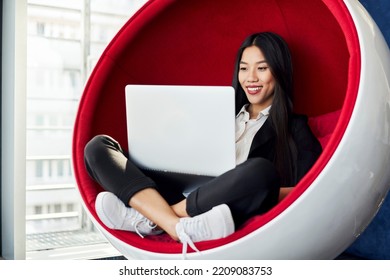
x=65, y=38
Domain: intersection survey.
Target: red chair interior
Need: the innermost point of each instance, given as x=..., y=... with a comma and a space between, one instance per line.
x=194, y=42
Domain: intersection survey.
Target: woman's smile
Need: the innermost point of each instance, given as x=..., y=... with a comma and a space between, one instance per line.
x=253, y=90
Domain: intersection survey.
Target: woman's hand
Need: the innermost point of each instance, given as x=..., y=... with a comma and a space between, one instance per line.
x=284, y=192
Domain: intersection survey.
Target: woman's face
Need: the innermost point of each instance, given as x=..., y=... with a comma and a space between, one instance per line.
x=256, y=79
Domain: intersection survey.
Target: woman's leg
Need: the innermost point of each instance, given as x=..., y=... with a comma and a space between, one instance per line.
x=154, y=207
x=249, y=189
x=108, y=165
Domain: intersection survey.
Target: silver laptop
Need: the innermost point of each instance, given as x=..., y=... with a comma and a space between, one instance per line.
x=184, y=129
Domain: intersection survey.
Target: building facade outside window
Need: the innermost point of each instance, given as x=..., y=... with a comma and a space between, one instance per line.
x=65, y=40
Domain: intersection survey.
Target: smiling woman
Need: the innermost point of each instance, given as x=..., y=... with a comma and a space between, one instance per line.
x=277, y=149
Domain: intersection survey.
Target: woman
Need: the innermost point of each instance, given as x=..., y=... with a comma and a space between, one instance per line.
x=274, y=149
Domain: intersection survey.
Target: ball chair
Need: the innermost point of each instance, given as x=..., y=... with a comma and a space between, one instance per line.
x=341, y=73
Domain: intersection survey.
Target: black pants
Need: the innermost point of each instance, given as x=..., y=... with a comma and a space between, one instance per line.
x=249, y=189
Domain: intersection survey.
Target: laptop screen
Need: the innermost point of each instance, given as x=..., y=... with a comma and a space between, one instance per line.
x=184, y=129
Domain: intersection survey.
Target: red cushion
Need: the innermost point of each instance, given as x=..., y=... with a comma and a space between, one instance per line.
x=194, y=42
x=324, y=125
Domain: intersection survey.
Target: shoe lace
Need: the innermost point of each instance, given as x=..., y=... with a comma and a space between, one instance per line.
x=140, y=221
x=185, y=239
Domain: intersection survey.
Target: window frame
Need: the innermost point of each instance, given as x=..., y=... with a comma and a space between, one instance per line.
x=13, y=129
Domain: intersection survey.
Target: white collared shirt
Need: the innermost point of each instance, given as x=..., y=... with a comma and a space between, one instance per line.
x=246, y=130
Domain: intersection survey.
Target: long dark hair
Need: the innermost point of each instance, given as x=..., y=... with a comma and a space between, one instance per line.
x=278, y=57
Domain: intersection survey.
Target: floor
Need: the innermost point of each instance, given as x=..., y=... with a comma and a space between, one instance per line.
x=47, y=241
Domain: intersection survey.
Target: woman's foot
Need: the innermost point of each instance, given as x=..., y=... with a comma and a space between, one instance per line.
x=115, y=215
x=214, y=224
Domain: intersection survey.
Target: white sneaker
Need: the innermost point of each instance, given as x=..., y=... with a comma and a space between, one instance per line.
x=214, y=224
x=115, y=215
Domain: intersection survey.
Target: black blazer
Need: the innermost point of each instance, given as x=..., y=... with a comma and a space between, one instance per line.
x=308, y=147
